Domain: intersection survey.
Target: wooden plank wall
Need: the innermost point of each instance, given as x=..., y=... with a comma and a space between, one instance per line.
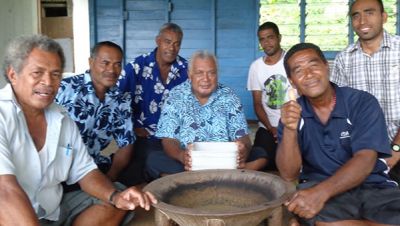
x=236, y=27
x=224, y=27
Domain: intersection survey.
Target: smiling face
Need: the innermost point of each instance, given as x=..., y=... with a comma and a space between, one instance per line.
x=204, y=78
x=36, y=85
x=367, y=19
x=169, y=44
x=105, y=68
x=269, y=41
x=309, y=74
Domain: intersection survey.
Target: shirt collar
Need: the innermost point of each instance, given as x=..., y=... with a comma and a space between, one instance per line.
x=7, y=94
x=178, y=63
x=386, y=42
x=214, y=95
x=338, y=111
x=87, y=80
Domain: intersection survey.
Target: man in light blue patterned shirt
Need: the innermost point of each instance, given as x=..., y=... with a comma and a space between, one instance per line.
x=100, y=110
x=200, y=110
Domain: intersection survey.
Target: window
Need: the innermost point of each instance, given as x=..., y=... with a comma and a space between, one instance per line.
x=392, y=25
x=286, y=15
x=327, y=24
x=323, y=22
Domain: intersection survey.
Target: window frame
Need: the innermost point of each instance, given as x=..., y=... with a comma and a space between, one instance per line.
x=330, y=55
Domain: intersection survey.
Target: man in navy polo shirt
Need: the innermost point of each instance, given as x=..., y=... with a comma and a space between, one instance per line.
x=334, y=140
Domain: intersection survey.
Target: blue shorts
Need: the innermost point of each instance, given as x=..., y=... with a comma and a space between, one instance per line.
x=366, y=202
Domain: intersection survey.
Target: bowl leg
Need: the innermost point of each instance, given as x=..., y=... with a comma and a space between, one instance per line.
x=162, y=219
x=215, y=222
x=276, y=217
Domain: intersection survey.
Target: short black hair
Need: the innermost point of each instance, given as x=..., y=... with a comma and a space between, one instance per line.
x=95, y=49
x=380, y=2
x=299, y=47
x=269, y=25
x=171, y=27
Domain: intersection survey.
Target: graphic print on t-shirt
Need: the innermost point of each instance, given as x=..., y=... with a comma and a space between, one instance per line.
x=275, y=89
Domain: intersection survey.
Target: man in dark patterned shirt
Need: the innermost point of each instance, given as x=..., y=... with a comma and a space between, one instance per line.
x=149, y=78
x=101, y=112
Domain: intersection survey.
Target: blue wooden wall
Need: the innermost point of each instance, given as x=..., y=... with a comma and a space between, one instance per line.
x=224, y=27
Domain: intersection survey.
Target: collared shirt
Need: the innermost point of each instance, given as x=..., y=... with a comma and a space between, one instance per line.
x=67, y=157
x=356, y=123
x=99, y=121
x=142, y=79
x=378, y=74
x=185, y=119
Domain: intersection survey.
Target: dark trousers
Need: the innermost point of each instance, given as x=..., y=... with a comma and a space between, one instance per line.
x=395, y=173
x=135, y=173
x=265, y=140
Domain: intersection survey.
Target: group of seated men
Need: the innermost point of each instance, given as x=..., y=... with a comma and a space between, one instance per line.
x=158, y=105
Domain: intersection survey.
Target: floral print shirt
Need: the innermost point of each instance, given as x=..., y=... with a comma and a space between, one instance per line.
x=142, y=79
x=185, y=119
x=99, y=121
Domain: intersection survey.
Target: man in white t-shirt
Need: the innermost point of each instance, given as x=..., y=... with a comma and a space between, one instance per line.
x=269, y=85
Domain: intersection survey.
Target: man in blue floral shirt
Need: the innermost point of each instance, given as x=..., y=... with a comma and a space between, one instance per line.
x=149, y=78
x=201, y=110
x=100, y=110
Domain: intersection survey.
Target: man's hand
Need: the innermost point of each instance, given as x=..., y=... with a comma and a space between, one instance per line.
x=187, y=157
x=242, y=154
x=306, y=203
x=274, y=132
x=392, y=161
x=132, y=197
x=291, y=114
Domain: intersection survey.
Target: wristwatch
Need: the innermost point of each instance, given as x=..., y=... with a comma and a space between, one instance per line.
x=111, y=198
x=396, y=147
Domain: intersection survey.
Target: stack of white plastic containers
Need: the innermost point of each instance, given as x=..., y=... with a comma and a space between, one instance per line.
x=214, y=155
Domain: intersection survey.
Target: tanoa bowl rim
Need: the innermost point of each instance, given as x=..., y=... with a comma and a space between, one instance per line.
x=165, y=207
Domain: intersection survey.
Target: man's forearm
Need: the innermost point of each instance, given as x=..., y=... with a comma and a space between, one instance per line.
x=349, y=175
x=259, y=109
x=262, y=116
x=16, y=207
x=288, y=156
x=172, y=149
x=97, y=184
x=396, y=138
